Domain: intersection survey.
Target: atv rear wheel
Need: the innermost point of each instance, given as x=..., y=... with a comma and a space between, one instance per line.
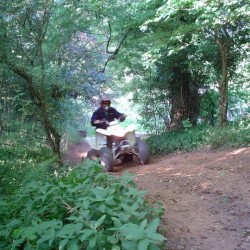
x=106, y=159
x=142, y=150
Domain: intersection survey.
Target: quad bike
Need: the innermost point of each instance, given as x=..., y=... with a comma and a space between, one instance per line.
x=116, y=143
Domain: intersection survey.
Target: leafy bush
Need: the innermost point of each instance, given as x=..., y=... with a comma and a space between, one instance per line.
x=173, y=141
x=234, y=135
x=231, y=136
x=86, y=209
x=17, y=162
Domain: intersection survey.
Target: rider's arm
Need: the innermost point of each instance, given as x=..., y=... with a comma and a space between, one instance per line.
x=118, y=115
x=97, y=122
x=96, y=119
x=122, y=117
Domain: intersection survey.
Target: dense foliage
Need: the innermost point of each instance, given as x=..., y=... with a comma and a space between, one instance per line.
x=180, y=59
x=86, y=209
x=24, y=153
x=200, y=137
x=182, y=51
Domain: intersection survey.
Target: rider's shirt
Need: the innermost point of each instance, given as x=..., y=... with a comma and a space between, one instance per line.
x=101, y=114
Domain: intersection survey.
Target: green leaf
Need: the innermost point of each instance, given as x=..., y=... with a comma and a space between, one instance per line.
x=72, y=245
x=13, y=223
x=100, y=221
x=63, y=243
x=136, y=235
x=143, y=224
x=16, y=233
x=86, y=234
x=45, y=225
x=132, y=232
x=126, y=208
x=128, y=244
x=127, y=228
x=74, y=218
x=101, y=208
x=112, y=239
x=29, y=233
x=153, y=225
x=92, y=242
x=4, y=232
x=47, y=236
x=116, y=221
x=143, y=244
x=156, y=237
x=17, y=243
x=124, y=217
x=116, y=248
x=98, y=194
x=69, y=230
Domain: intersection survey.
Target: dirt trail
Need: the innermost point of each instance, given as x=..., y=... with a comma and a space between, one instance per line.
x=206, y=195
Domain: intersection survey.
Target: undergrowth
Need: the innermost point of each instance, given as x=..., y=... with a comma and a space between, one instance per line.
x=21, y=157
x=234, y=135
x=84, y=209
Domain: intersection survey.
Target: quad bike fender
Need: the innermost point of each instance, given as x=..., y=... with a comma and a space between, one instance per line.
x=99, y=141
x=130, y=136
x=116, y=130
x=119, y=131
x=102, y=132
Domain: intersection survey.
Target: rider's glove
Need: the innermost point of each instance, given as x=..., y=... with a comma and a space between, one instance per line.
x=98, y=121
x=122, y=118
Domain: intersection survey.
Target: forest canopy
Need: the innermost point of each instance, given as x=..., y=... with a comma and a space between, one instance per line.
x=181, y=62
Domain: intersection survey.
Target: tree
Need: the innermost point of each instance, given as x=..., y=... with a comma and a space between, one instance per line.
x=226, y=22
x=171, y=65
x=59, y=51
x=37, y=42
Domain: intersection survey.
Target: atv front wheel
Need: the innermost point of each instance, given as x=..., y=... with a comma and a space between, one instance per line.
x=142, y=150
x=106, y=159
x=92, y=154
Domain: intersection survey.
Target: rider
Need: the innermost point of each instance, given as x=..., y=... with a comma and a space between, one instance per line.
x=105, y=113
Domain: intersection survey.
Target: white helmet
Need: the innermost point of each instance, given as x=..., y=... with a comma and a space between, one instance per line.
x=105, y=100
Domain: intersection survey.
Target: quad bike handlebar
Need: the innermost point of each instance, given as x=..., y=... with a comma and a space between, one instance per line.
x=120, y=119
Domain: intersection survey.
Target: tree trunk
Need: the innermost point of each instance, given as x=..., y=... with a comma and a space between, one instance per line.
x=222, y=38
x=53, y=137
x=185, y=102
x=223, y=84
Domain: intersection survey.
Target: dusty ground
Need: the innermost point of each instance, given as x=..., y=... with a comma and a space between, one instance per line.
x=206, y=195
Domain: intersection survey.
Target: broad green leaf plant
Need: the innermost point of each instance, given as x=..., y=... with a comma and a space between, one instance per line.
x=87, y=209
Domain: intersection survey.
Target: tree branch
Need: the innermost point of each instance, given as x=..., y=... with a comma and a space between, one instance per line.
x=114, y=52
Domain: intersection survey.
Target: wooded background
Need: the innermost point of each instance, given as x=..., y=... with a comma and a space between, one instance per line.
x=183, y=63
